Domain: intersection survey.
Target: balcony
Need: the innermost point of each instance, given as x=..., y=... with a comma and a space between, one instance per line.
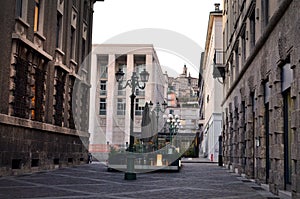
x=219, y=66
x=103, y=92
x=139, y=92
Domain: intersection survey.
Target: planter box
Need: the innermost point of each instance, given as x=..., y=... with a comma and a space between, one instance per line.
x=145, y=162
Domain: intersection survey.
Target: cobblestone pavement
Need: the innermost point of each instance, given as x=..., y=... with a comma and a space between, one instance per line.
x=93, y=181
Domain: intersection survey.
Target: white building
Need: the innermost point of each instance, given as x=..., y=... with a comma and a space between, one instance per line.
x=110, y=105
x=213, y=88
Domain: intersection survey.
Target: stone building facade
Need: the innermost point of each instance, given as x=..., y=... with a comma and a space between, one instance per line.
x=44, y=44
x=261, y=106
x=110, y=104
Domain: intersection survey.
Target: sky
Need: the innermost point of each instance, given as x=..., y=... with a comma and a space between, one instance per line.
x=187, y=22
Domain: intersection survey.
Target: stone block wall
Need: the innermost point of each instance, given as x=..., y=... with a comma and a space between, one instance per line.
x=27, y=150
x=271, y=53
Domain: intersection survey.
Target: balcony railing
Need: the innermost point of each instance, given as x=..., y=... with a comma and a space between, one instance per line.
x=103, y=75
x=103, y=92
x=219, y=66
x=139, y=92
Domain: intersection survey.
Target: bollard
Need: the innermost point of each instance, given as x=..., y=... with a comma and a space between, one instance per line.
x=220, y=151
x=129, y=174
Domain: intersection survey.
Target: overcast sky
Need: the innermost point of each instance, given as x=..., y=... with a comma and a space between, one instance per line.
x=188, y=18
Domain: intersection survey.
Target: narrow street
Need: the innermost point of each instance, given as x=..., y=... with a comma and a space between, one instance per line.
x=195, y=180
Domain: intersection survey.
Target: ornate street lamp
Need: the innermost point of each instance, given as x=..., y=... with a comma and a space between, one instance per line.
x=158, y=110
x=133, y=83
x=174, y=123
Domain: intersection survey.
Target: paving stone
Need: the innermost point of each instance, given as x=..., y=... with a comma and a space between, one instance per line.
x=195, y=180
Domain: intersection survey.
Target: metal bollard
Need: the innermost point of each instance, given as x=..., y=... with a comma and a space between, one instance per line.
x=129, y=174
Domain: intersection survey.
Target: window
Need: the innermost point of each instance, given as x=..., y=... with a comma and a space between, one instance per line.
x=102, y=62
x=84, y=108
x=35, y=162
x=287, y=76
x=121, y=91
x=226, y=34
x=83, y=50
x=138, y=69
x=38, y=91
x=21, y=95
x=16, y=164
x=103, y=87
x=140, y=92
x=237, y=64
x=29, y=96
x=71, y=87
x=36, y=15
x=85, y=10
x=59, y=30
x=252, y=29
x=102, y=110
x=19, y=8
x=265, y=13
x=139, y=63
x=288, y=136
x=121, y=106
x=243, y=47
x=103, y=71
x=123, y=67
x=74, y=3
x=288, y=106
x=139, y=106
x=231, y=70
x=32, y=101
x=73, y=40
x=59, y=97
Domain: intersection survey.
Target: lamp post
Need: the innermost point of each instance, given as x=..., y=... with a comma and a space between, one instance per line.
x=174, y=123
x=133, y=83
x=158, y=110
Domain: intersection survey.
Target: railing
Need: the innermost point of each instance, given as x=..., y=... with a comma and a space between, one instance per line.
x=103, y=92
x=121, y=92
x=219, y=67
x=140, y=92
x=103, y=75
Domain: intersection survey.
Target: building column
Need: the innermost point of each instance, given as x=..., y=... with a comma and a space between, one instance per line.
x=110, y=99
x=276, y=133
x=235, y=135
x=295, y=125
x=150, y=86
x=130, y=69
x=225, y=138
x=249, y=139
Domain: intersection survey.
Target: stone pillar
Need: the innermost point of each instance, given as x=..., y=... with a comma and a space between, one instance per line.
x=260, y=135
x=130, y=69
x=235, y=133
x=225, y=137
x=230, y=134
x=150, y=92
x=110, y=100
x=249, y=139
x=276, y=133
x=295, y=124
